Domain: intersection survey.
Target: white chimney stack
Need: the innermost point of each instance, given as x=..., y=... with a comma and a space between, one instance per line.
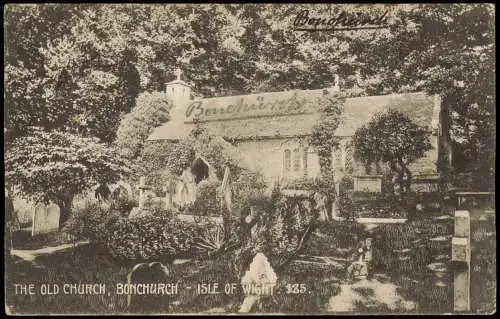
x=178, y=91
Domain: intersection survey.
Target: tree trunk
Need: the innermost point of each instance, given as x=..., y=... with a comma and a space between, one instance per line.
x=326, y=172
x=408, y=181
x=65, y=211
x=398, y=178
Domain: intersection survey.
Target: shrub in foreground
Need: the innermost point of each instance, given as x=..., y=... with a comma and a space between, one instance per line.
x=152, y=237
x=87, y=217
x=206, y=203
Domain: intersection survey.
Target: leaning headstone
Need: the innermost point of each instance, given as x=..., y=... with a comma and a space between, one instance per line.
x=147, y=275
x=259, y=280
x=45, y=219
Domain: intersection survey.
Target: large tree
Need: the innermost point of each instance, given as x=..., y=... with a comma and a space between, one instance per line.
x=64, y=76
x=445, y=49
x=54, y=166
x=392, y=138
x=76, y=77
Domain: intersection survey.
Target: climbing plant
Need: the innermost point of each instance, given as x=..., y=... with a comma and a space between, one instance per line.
x=323, y=139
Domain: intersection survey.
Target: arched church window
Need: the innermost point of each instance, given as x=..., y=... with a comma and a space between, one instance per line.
x=297, y=158
x=287, y=160
x=349, y=159
x=337, y=154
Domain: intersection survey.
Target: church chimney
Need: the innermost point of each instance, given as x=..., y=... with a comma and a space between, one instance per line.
x=178, y=91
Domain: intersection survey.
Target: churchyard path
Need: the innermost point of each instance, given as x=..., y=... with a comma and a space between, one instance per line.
x=31, y=255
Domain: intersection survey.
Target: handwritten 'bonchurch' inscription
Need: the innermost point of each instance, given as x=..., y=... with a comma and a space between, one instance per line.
x=247, y=106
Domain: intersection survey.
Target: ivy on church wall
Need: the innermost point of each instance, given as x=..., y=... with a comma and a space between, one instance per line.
x=323, y=137
x=163, y=161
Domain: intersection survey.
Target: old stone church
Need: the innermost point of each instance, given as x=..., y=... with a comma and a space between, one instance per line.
x=269, y=129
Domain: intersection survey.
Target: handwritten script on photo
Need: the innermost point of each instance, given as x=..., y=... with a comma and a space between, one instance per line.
x=342, y=21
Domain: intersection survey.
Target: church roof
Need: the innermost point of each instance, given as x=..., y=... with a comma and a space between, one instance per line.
x=288, y=114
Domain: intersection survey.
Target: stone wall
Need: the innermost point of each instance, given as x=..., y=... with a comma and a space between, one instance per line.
x=267, y=157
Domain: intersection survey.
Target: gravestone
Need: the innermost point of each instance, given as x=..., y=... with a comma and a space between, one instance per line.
x=368, y=183
x=460, y=256
x=259, y=280
x=144, y=273
x=45, y=219
x=185, y=189
x=358, y=269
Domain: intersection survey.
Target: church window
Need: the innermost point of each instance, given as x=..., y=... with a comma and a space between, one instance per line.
x=287, y=160
x=297, y=158
x=349, y=159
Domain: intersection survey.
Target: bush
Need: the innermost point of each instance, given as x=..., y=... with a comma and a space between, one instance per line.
x=248, y=190
x=150, y=237
x=88, y=216
x=346, y=184
x=206, y=203
x=123, y=205
x=253, y=198
x=153, y=210
x=302, y=184
x=330, y=236
x=372, y=204
x=344, y=203
x=279, y=231
x=248, y=181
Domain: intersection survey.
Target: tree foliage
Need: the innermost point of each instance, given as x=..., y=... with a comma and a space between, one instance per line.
x=78, y=81
x=445, y=49
x=55, y=166
x=151, y=110
x=392, y=138
x=79, y=68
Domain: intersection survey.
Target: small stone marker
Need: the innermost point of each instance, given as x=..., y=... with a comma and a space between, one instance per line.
x=152, y=273
x=260, y=279
x=460, y=256
x=168, y=197
x=359, y=268
x=45, y=219
x=142, y=192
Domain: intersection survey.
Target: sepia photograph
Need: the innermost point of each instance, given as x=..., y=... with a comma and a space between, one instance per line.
x=232, y=159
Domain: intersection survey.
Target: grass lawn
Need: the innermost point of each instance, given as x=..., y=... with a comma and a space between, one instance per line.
x=22, y=239
x=90, y=264
x=415, y=282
